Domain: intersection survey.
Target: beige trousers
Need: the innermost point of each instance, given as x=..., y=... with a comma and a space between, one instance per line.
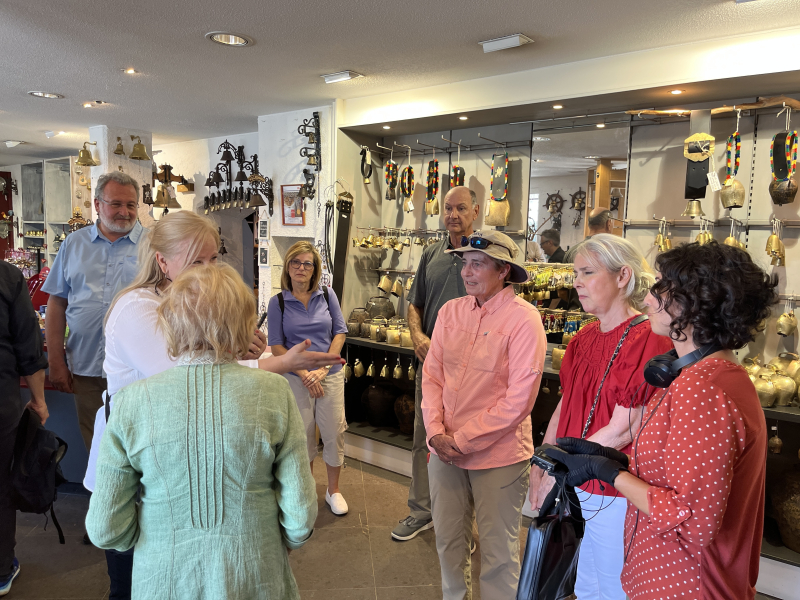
x=497, y=496
x=88, y=398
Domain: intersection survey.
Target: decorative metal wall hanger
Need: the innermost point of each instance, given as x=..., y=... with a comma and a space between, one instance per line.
x=578, y=200
x=310, y=129
x=234, y=197
x=554, y=203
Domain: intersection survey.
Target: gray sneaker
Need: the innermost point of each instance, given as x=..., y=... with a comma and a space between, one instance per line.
x=410, y=528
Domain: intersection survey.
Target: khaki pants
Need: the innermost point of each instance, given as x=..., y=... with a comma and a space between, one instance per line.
x=419, y=495
x=88, y=398
x=497, y=496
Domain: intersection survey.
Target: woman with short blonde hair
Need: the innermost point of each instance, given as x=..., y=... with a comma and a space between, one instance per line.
x=225, y=488
x=604, y=390
x=304, y=310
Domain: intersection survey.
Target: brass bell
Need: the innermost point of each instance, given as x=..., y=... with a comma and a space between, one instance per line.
x=409, y=283
x=782, y=192
x=358, y=368
x=732, y=194
x=731, y=241
x=741, y=244
x=370, y=240
x=693, y=209
x=398, y=246
x=378, y=242
x=312, y=139
x=419, y=241
x=775, y=443
x=412, y=372
x=398, y=370
x=397, y=288
x=385, y=284
x=371, y=370
x=312, y=160
x=773, y=244
x=119, y=150
x=348, y=372
x=385, y=371
x=363, y=243
x=787, y=324
x=659, y=241
x=172, y=202
x=256, y=200
x=139, y=152
x=355, y=242
x=407, y=242
x=85, y=156
x=161, y=198
x=667, y=243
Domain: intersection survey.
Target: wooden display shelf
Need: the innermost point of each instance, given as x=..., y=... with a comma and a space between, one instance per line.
x=367, y=343
x=386, y=435
x=780, y=553
x=783, y=413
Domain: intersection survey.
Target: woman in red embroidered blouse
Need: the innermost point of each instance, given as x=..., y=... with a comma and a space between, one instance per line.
x=612, y=278
x=687, y=534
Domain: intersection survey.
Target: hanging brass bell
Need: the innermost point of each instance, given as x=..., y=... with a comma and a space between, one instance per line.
x=667, y=243
x=407, y=242
x=172, y=202
x=412, y=372
x=397, y=288
x=358, y=368
x=385, y=371
x=773, y=244
x=409, y=283
x=256, y=200
x=398, y=246
x=312, y=160
x=119, y=150
x=787, y=324
x=419, y=241
x=385, y=284
x=659, y=241
x=693, y=209
x=731, y=241
x=741, y=244
x=732, y=194
x=398, y=371
x=371, y=370
x=782, y=192
x=312, y=139
x=161, y=198
x=775, y=443
x=355, y=242
x=348, y=372
x=139, y=152
x=85, y=156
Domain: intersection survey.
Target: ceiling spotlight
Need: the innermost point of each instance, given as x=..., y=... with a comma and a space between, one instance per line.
x=676, y=92
x=601, y=125
x=503, y=43
x=386, y=127
x=340, y=76
x=13, y=143
x=225, y=38
x=540, y=139
x=557, y=106
x=463, y=118
x=130, y=71
x=538, y=160
x=49, y=134
x=87, y=105
x=592, y=157
x=48, y=95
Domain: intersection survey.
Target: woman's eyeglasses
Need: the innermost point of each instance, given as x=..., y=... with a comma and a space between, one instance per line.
x=296, y=264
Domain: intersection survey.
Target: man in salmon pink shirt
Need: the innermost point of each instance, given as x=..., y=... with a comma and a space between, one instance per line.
x=480, y=380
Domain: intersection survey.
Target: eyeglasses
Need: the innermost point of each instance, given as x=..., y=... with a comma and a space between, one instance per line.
x=129, y=206
x=296, y=264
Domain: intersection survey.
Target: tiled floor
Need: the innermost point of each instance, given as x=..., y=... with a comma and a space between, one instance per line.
x=349, y=558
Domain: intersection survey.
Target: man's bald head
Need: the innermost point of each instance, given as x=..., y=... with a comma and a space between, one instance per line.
x=459, y=191
x=460, y=211
x=599, y=221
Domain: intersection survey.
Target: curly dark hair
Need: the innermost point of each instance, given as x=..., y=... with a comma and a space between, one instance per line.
x=718, y=290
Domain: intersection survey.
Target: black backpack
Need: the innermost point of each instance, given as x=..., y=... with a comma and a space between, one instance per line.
x=282, y=305
x=35, y=472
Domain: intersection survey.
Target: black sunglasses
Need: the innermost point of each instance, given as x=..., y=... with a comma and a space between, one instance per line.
x=480, y=243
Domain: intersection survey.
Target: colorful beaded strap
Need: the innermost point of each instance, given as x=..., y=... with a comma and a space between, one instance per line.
x=407, y=181
x=390, y=171
x=501, y=171
x=457, y=177
x=790, y=150
x=433, y=180
x=734, y=139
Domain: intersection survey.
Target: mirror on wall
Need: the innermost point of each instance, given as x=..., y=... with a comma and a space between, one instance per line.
x=573, y=171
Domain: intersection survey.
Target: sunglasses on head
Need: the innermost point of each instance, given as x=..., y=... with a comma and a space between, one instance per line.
x=480, y=243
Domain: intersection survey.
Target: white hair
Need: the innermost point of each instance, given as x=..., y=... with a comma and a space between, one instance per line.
x=611, y=253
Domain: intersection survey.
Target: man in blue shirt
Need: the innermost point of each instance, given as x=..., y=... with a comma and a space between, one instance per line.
x=92, y=265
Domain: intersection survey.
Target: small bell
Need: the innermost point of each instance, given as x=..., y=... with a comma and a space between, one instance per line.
x=787, y=324
x=397, y=288
x=371, y=370
x=667, y=243
x=216, y=177
x=139, y=152
x=398, y=246
x=731, y=241
x=241, y=176
x=119, y=150
x=385, y=371
x=348, y=372
x=412, y=372
x=693, y=209
x=312, y=160
x=312, y=139
x=256, y=200
x=358, y=368
x=659, y=241
x=398, y=370
x=222, y=250
x=227, y=156
x=85, y=156
x=775, y=443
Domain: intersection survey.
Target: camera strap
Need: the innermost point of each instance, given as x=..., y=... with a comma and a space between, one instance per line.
x=634, y=322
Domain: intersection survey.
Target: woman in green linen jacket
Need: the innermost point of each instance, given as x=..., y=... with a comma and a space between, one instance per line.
x=216, y=453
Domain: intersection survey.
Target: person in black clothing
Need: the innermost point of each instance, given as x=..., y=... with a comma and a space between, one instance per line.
x=21, y=355
x=551, y=244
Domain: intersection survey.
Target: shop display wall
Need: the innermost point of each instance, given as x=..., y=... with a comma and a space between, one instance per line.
x=16, y=175
x=566, y=184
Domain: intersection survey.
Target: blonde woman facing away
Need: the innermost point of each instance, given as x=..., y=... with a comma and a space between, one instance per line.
x=215, y=452
x=303, y=310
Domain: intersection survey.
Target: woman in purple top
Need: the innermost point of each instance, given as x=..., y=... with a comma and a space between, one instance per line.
x=304, y=311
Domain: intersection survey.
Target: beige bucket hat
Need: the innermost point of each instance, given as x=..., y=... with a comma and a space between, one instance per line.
x=499, y=246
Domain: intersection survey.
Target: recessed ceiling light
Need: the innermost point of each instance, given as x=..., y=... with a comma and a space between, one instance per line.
x=87, y=105
x=130, y=71
x=236, y=40
x=340, y=76
x=538, y=160
x=94, y=103
x=601, y=125
x=540, y=139
x=592, y=157
x=49, y=134
x=463, y=118
x=48, y=95
x=676, y=92
x=386, y=127
x=503, y=43
x=12, y=143
x=557, y=106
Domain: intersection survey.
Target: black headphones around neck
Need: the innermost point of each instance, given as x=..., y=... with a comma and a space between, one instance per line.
x=663, y=369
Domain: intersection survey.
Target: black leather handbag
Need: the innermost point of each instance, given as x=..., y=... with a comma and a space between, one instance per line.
x=550, y=563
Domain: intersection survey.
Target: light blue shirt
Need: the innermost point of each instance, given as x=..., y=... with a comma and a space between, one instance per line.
x=88, y=271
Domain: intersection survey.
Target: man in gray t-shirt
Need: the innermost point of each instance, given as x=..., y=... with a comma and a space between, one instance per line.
x=437, y=280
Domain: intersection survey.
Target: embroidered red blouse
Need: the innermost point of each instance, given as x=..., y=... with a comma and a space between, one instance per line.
x=582, y=370
x=706, y=439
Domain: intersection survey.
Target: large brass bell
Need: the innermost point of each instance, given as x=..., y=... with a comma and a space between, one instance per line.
x=782, y=192
x=358, y=369
x=775, y=443
x=732, y=194
x=119, y=150
x=139, y=152
x=85, y=156
x=397, y=288
x=693, y=209
x=385, y=284
x=773, y=244
x=787, y=322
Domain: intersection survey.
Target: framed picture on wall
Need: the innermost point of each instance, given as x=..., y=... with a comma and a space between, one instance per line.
x=263, y=257
x=292, y=206
x=263, y=229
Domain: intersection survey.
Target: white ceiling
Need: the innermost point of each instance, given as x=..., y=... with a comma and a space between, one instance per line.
x=564, y=153
x=190, y=88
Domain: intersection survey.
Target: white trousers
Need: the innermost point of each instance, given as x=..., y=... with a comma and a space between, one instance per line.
x=327, y=413
x=603, y=547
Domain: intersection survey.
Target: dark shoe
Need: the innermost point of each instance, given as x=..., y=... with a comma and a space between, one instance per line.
x=410, y=528
x=5, y=585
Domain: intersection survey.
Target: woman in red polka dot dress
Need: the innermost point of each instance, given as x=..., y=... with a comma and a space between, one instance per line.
x=695, y=483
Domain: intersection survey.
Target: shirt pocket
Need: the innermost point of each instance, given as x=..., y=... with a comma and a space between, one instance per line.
x=490, y=352
x=130, y=266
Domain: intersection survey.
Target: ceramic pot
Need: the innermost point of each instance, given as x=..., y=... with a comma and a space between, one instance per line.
x=393, y=335
x=782, y=192
x=786, y=505
x=785, y=388
x=365, y=328
x=358, y=314
x=353, y=329
x=558, y=356
x=404, y=410
x=405, y=338
x=783, y=361
x=380, y=306
x=767, y=394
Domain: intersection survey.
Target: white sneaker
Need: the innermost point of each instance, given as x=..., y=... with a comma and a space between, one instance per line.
x=337, y=503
